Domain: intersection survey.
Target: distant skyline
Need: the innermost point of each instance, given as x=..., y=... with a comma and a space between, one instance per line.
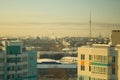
x=58, y=17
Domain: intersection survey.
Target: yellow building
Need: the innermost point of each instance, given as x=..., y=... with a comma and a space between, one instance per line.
x=100, y=61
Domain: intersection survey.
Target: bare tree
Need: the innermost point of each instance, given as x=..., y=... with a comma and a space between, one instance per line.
x=58, y=73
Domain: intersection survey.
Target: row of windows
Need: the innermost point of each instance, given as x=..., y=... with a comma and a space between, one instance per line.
x=30, y=58
x=103, y=59
x=11, y=68
x=83, y=68
x=99, y=58
x=16, y=59
x=83, y=57
x=100, y=70
x=10, y=76
x=90, y=78
x=11, y=52
x=96, y=79
x=13, y=76
x=96, y=69
x=20, y=67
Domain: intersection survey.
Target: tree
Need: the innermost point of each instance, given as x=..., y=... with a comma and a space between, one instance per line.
x=58, y=73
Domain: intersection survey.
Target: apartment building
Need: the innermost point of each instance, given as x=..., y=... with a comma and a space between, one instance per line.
x=100, y=61
x=16, y=64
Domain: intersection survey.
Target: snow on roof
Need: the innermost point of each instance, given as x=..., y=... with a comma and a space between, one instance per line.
x=45, y=60
x=68, y=57
x=66, y=49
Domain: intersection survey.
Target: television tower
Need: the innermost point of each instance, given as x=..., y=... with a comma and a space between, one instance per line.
x=90, y=26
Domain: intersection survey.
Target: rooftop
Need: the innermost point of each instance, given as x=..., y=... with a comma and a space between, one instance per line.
x=42, y=66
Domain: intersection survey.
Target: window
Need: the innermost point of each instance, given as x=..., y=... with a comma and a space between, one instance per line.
x=31, y=73
x=8, y=68
x=19, y=67
x=89, y=68
x=25, y=74
x=9, y=52
x=18, y=75
x=1, y=68
x=31, y=65
x=1, y=76
x=13, y=67
x=18, y=59
x=8, y=76
x=13, y=76
x=82, y=67
x=82, y=56
x=31, y=58
x=113, y=59
x=24, y=58
x=113, y=71
x=89, y=57
x=25, y=66
x=11, y=60
x=1, y=60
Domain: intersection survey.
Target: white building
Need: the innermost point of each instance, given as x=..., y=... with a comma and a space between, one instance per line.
x=100, y=61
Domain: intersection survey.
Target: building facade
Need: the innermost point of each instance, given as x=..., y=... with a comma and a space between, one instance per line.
x=16, y=64
x=100, y=61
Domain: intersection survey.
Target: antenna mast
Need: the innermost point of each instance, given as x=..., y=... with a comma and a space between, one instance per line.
x=90, y=25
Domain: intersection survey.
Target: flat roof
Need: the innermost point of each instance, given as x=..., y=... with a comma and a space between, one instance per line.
x=67, y=66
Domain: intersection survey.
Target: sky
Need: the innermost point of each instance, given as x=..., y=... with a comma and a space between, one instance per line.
x=58, y=17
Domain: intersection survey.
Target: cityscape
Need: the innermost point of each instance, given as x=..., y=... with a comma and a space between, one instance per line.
x=60, y=40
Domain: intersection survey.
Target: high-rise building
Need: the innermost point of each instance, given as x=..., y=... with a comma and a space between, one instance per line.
x=100, y=61
x=16, y=64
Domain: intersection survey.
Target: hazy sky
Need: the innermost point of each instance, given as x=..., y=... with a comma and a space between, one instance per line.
x=58, y=17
